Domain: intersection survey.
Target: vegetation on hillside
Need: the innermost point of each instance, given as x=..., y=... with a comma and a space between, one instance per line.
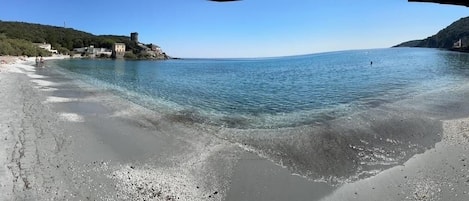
x=20, y=47
x=62, y=39
x=444, y=38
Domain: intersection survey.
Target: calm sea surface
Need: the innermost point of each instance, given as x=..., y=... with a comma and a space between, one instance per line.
x=276, y=92
x=330, y=116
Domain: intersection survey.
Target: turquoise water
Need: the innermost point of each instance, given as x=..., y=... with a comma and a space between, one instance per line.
x=276, y=92
x=330, y=116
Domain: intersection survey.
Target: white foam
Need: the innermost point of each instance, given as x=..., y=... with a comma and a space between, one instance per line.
x=72, y=117
x=25, y=67
x=47, y=88
x=35, y=76
x=43, y=83
x=55, y=99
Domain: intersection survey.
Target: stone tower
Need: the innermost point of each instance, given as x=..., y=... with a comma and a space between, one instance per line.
x=134, y=37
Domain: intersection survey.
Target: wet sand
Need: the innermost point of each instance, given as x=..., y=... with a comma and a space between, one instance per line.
x=64, y=140
x=441, y=173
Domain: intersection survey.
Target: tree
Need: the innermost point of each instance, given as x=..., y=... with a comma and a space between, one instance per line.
x=77, y=43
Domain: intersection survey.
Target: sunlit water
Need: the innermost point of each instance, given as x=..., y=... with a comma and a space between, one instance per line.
x=276, y=92
x=329, y=116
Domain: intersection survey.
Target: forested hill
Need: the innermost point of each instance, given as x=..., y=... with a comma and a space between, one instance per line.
x=444, y=38
x=60, y=38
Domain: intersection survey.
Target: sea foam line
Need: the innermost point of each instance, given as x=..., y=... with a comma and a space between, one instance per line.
x=55, y=99
x=35, y=76
x=72, y=117
x=47, y=88
x=43, y=83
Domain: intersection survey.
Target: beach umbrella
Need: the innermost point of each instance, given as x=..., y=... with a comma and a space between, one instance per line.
x=454, y=2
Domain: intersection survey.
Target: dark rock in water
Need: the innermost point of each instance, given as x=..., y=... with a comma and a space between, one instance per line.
x=216, y=192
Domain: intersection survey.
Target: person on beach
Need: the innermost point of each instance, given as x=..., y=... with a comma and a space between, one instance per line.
x=42, y=61
x=37, y=60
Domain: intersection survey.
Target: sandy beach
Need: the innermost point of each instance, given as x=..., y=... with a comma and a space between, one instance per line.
x=64, y=140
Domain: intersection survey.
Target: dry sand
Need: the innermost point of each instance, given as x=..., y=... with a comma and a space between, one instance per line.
x=62, y=141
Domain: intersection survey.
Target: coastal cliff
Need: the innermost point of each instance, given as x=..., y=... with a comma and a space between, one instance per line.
x=445, y=38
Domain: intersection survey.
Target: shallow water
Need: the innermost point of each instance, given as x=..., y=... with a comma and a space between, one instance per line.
x=331, y=117
x=276, y=92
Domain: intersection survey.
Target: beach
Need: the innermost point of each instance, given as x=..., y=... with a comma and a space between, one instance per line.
x=65, y=140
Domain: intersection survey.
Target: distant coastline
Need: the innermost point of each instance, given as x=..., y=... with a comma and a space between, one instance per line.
x=28, y=39
x=454, y=38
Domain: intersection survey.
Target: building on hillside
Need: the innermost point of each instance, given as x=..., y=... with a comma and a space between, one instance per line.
x=80, y=50
x=46, y=46
x=118, y=50
x=102, y=52
x=458, y=44
x=156, y=49
x=147, y=51
x=92, y=51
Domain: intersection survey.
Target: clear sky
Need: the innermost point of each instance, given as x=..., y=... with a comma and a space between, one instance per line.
x=248, y=28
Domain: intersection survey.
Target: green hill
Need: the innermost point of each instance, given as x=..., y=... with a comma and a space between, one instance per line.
x=444, y=38
x=62, y=39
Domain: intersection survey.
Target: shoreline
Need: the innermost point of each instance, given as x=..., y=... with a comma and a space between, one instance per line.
x=98, y=147
x=441, y=173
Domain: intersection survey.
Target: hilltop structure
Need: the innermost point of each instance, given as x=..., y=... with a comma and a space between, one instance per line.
x=148, y=51
x=131, y=49
x=134, y=37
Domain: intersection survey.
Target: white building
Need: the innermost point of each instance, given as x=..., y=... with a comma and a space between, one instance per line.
x=457, y=44
x=93, y=52
x=118, y=50
x=46, y=46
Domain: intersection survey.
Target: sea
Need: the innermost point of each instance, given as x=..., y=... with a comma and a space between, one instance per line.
x=334, y=116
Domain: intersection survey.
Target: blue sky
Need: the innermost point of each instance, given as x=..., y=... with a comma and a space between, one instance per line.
x=248, y=28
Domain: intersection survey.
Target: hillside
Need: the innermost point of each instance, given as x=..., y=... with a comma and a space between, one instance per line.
x=444, y=38
x=63, y=39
